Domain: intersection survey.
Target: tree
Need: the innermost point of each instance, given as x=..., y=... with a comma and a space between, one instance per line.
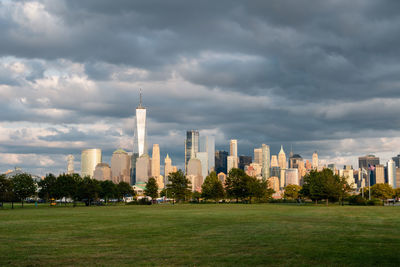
x=324, y=185
x=258, y=189
x=124, y=189
x=292, y=191
x=212, y=188
x=382, y=191
x=397, y=192
x=5, y=189
x=107, y=190
x=178, y=185
x=48, y=187
x=236, y=184
x=23, y=186
x=196, y=195
x=67, y=186
x=89, y=190
x=151, y=188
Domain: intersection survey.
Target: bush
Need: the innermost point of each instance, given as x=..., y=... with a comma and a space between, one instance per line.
x=375, y=202
x=357, y=200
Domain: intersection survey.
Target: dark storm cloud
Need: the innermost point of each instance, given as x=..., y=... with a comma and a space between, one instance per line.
x=258, y=71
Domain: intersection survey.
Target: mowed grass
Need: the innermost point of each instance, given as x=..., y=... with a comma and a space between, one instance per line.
x=200, y=235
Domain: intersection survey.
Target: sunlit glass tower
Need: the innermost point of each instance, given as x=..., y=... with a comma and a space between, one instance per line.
x=140, y=143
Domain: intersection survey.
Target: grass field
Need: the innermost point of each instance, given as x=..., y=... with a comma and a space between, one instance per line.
x=199, y=235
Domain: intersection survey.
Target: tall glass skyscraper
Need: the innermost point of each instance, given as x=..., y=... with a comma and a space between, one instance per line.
x=140, y=142
x=191, y=146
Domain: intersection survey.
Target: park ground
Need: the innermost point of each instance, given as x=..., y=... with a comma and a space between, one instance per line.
x=201, y=235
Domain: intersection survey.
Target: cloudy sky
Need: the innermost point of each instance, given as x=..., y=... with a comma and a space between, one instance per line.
x=317, y=75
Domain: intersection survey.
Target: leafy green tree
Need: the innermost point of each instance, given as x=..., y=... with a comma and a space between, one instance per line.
x=89, y=190
x=107, y=190
x=397, y=192
x=258, y=189
x=212, y=188
x=324, y=185
x=166, y=193
x=179, y=186
x=124, y=189
x=236, y=184
x=196, y=195
x=151, y=188
x=382, y=191
x=67, y=186
x=23, y=186
x=5, y=189
x=292, y=191
x=48, y=187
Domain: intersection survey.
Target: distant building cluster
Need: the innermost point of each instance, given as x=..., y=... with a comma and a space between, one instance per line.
x=201, y=159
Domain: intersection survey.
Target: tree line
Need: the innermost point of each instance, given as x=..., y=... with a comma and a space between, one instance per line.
x=329, y=187
x=64, y=186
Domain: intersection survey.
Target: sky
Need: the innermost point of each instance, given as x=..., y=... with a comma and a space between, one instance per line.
x=312, y=75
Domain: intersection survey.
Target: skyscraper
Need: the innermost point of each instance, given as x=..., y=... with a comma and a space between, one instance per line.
x=70, y=166
x=378, y=175
x=203, y=157
x=244, y=161
x=140, y=142
x=233, y=154
x=391, y=170
x=221, y=161
x=191, y=146
x=231, y=162
x=363, y=162
x=274, y=161
x=155, y=161
x=291, y=176
x=207, y=144
x=258, y=155
x=120, y=166
x=89, y=160
x=167, y=168
x=194, y=174
x=315, y=160
x=102, y=172
x=143, y=169
x=266, y=162
x=282, y=159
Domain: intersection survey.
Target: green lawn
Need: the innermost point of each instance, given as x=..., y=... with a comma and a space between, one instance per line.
x=200, y=235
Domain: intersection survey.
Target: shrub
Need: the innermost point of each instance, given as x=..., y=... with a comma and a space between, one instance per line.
x=357, y=200
x=374, y=202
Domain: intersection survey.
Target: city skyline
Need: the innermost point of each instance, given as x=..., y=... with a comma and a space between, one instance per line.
x=260, y=73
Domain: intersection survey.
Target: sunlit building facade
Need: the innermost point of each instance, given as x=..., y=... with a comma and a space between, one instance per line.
x=89, y=160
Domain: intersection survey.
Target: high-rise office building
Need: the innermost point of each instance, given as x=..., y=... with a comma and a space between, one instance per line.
x=134, y=157
x=266, y=162
x=120, y=166
x=167, y=168
x=70, y=166
x=348, y=173
x=155, y=161
x=291, y=176
x=143, y=169
x=391, y=170
x=140, y=140
x=102, y=172
x=233, y=148
x=258, y=156
x=203, y=157
x=231, y=162
x=207, y=144
x=243, y=161
x=194, y=174
x=397, y=160
x=221, y=158
x=274, y=161
x=191, y=146
x=364, y=162
x=222, y=177
x=282, y=159
x=233, y=153
x=378, y=175
x=315, y=161
x=89, y=160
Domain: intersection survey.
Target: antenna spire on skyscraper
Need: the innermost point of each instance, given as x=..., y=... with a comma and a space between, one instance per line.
x=140, y=96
